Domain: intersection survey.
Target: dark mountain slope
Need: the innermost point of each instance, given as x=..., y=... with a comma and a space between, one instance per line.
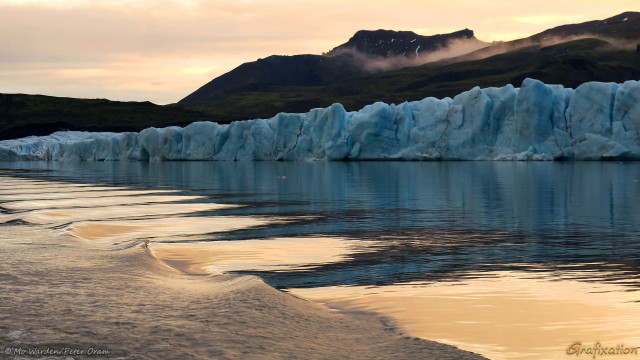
x=347, y=60
x=298, y=70
x=623, y=26
x=571, y=64
x=24, y=115
x=622, y=30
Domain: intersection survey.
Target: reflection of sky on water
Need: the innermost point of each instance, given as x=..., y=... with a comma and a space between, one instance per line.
x=503, y=314
x=419, y=221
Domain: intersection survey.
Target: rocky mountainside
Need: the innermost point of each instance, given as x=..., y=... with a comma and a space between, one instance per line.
x=600, y=50
x=362, y=54
x=274, y=71
x=388, y=43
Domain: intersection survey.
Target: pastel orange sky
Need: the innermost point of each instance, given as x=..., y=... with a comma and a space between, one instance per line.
x=163, y=50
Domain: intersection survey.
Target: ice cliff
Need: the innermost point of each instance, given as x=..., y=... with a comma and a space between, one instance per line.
x=596, y=121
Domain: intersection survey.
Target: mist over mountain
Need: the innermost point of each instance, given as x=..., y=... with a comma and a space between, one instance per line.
x=621, y=32
x=366, y=52
x=384, y=50
x=388, y=43
x=397, y=66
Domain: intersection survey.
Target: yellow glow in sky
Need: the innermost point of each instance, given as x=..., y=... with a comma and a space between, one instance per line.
x=550, y=19
x=162, y=50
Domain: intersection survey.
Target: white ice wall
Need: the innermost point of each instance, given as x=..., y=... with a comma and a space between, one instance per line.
x=596, y=121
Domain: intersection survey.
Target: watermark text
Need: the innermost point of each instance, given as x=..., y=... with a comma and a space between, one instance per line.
x=600, y=350
x=56, y=351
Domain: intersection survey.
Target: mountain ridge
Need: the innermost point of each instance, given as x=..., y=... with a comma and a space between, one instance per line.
x=388, y=43
x=583, y=57
x=349, y=59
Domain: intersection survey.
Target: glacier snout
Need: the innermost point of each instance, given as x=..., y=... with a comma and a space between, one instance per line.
x=596, y=121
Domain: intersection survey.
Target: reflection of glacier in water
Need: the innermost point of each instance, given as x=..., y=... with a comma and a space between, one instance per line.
x=501, y=231
x=461, y=213
x=535, y=122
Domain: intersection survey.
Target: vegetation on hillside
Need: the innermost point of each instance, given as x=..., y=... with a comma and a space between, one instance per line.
x=24, y=115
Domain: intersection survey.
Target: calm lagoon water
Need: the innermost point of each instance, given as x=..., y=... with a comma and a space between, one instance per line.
x=514, y=260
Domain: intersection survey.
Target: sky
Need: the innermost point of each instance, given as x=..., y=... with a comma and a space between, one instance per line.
x=162, y=50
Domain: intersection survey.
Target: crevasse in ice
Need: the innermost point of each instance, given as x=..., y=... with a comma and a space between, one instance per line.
x=596, y=121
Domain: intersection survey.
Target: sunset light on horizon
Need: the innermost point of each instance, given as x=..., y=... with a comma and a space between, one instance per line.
x=161, y=51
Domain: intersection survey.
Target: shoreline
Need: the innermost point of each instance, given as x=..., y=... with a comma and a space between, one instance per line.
x=61, y=294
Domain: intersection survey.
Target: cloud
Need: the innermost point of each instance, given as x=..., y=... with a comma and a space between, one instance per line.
x=60, y=49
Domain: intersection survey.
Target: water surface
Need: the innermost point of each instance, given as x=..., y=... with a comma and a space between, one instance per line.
x=514, y=260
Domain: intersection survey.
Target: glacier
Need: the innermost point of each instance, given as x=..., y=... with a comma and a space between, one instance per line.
x=596, y=121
